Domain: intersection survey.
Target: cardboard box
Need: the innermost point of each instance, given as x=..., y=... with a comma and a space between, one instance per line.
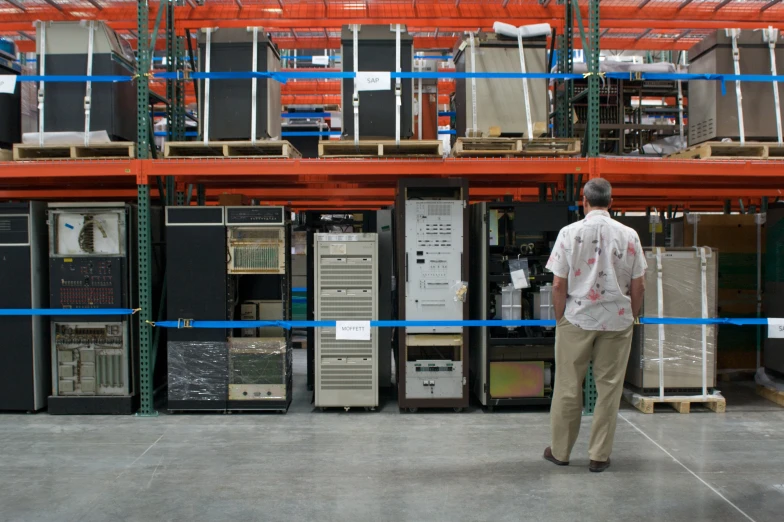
x=231, y=200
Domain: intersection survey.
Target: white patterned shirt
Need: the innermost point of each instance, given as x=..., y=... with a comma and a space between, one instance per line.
x=599, y=257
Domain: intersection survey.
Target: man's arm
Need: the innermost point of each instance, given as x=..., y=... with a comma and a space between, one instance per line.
x=559, y=296
x=637, y=291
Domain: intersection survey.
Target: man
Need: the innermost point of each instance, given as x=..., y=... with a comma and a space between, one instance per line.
x=599, y=268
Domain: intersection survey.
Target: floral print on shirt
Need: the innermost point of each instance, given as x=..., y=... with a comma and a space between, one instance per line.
x=599, y=257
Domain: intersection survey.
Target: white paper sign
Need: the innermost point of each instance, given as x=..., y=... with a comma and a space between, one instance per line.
x=352, y=330
x=519, y=279
x=7, y=83
x=337, y=249
x=776, y=328
x=373, y=81
x=320, y=60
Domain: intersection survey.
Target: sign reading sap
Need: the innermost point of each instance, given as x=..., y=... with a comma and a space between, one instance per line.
x=352, y=330
x=776, y=328
x=374, y=81
x=8, y=83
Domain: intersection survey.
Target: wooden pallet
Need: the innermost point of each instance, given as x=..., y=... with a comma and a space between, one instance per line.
x=515, y=147
x=771, y=394
x=230, y=149
x=729, y=150
x=115, y=149
x=681, y=404
x=381, y=148
x=485, y=147
x=551, y=147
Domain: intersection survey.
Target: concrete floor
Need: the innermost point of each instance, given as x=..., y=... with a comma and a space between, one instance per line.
x=387, y=466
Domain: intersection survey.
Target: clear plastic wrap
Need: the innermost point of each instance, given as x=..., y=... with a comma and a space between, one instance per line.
x=198, y=371
x=682, y=294
x=258, y=368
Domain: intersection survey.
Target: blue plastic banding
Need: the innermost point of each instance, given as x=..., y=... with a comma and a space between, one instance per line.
x=188, y=134
x=573, y=208
x=64, y=311
x=309, y=133
x=451, y=131
x=299, y=289
x=447, y=113
x=68, y=225
x=467, y=323
x=305, y=114
x=306, y=57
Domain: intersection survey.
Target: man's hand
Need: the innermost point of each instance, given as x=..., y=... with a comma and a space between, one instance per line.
x=560, y=285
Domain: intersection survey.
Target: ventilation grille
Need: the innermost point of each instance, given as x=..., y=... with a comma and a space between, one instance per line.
x=5, y=225
x=347, y=377
x=346, y=276
x=329, y=347
x=244, y=234
x=702, y=131
x=439, y=209
x=355, y=307
x=258, y=257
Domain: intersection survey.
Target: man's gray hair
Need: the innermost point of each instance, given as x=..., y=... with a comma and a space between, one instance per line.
x=598, y=192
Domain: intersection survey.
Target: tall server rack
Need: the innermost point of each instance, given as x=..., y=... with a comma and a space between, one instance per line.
x=432, y=239
x=196, y=285
x=377, y=109
x=258, y=241
x=347, y=289
x=326, y=221
x=228, y=106
x=513, y=366
x=92, y=266
x=24, y=349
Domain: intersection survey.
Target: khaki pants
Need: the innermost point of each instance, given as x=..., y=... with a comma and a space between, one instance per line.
x=575, y=348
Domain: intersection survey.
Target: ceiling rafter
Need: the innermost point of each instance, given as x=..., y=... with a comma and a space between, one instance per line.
x=721, y=4
x=17, y=4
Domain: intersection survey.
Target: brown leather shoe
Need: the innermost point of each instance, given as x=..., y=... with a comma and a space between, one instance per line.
x=548, y=455
x=597, y=466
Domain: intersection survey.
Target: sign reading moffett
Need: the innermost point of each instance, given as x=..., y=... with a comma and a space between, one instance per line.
x=776, y=328
x=373, y=81
x=352, y=330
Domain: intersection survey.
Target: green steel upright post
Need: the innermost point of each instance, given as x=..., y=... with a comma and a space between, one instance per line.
x=591, y=145
x=175, y=113
x=145, y=295
x=593, y=80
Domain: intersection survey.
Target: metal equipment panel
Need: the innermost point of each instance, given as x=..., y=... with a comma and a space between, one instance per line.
x=346, y=279
x=434, y=258
x=92, y=266
x=24, y=349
